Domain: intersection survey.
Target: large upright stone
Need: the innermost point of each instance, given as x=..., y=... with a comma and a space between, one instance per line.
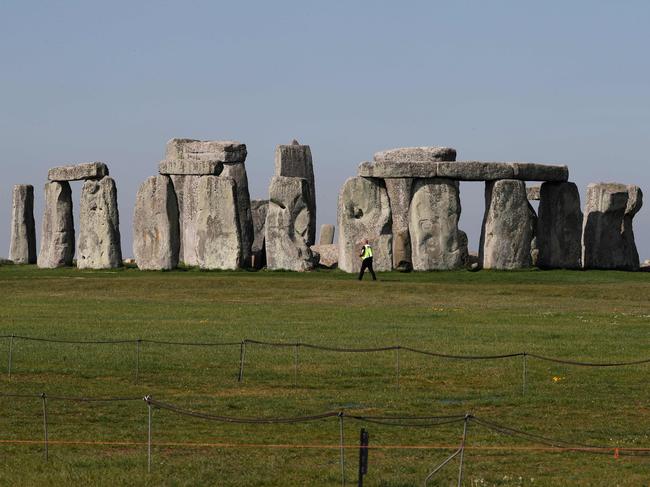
x=559, y=226
x=326, y=234
x=607, y=234
x=259, y=209
x=508, y=226
x=364, y=213
x=436, y=241
x=295, y=160
x=156, y=237
x=57, y=231
x=237, y=172
x=399, y=195
x=186, y=189
x=22, y=249
x=99, y=245
x=78, y=172
x=287, y=225
x=218, y=241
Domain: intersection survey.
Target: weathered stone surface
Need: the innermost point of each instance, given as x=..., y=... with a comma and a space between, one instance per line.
x=57, y=231
x=399, y=195
x=78, y=172
x=436, y=242
x=364, y=213
x=387, y=169
x=508, y=226
x=474, y=170
x=22, y=249
x=559, y=226
x=190, y=167
x=532, y=193
x=326, y=234
x=416, y=154
x=206, y=150
x=287, y=225
x=237, y=172
x=218, y=241
x=156, y=235
x=607, y=234
x=328, y=255
x=259, y=209
x=527, y=171
x=295, y=160
x=186, y=189
x=99, y=245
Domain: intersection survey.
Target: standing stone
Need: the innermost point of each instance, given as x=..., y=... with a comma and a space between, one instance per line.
x=295, y=160
x=508, y=226
x=218, y=241
x=237, y=172
x=287, y=225
x=559, y=226
x=99, y=245
x=326, y=234
x=57, y=231
x=156, y=237
x=436, y=242
x=364, y=213
x=259, y=209
x=399, y=195
x=607, y=235
x=186, y=189
x=22, y=249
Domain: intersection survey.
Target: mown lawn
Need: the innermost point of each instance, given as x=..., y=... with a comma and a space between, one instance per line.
x=586, y=316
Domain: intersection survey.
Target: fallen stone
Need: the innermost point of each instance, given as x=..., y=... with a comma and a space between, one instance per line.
x=416, y=154
x=436, y=242
x=399, y=195
x=22, y=249
x=259, y=209
x=326, y=234
x=559, y=227
x=190, y=167
x=508, y=226
x=287, y=225
x=328, y=255
x=156, y=235
x=607, y=233
x=78, y=172
x=364, y=213
x=99, y=245
x=237, y=172
x=57, y=231
x=532, y=193
x=218, y=241
x=206, y=150
x=295, y=160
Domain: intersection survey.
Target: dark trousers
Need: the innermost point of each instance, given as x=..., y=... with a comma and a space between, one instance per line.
x=367, y=264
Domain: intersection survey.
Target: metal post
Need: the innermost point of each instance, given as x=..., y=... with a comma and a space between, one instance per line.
x=295, y=365
x=44, y=401
x=462, y=451
x=397, y=366
x=137, y=360
x=11, y=349
x=439, y=467
x=242, y=355
x=525, y=373
x=147, y=399
x=342, y=448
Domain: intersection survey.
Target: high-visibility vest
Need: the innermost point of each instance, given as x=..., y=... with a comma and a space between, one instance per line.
x=367, y=251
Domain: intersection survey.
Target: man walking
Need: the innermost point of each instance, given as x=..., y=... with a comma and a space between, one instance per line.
x=366, y=263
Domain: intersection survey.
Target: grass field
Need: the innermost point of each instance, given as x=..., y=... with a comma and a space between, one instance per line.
x=589, y=316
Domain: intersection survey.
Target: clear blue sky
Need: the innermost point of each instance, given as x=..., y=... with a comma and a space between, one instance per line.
x=555, y=81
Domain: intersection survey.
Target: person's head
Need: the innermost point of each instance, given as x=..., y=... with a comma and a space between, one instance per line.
x=366, y=241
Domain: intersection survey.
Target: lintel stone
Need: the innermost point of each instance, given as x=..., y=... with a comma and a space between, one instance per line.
x=78, y=172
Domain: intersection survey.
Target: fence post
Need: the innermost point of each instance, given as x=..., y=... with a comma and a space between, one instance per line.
x=11, y=350
x=137, y=360
x=524, y=374
x=44, y=401
x=462, y=451
x=147, y=399
x=295, y=365
x=242, y=355
x=342, y=448
x=397, y=365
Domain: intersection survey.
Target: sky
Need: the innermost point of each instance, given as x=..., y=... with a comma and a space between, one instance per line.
x=552, y=82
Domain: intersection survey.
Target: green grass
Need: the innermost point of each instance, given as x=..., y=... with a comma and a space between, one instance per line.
x=591, y=316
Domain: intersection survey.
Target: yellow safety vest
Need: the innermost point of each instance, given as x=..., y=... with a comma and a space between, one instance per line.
x=367, y=251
